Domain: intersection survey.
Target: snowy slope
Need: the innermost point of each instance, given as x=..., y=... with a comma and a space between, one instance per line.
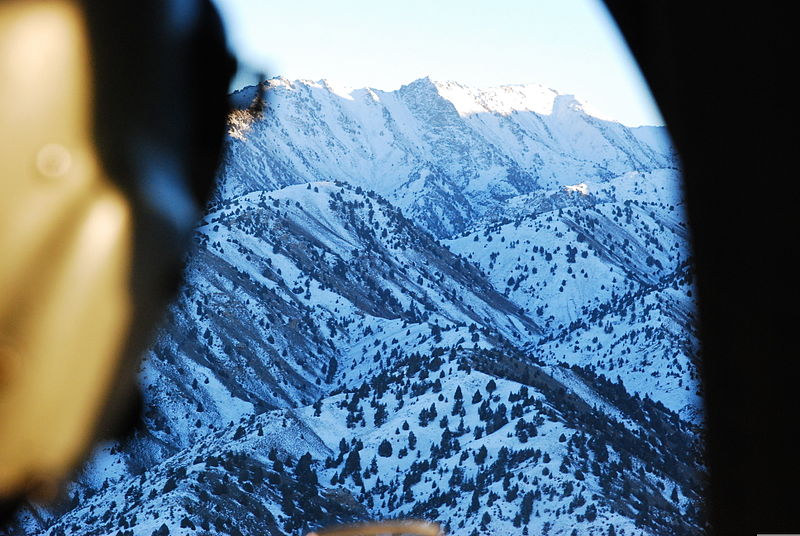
x=472, y=443
x=278, y=295
x=227, y=482
x=608, y=276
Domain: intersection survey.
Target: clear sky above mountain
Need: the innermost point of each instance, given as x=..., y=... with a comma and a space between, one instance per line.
x=572, y=46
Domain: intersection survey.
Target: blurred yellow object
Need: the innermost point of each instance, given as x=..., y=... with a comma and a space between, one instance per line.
x=65, y=245
x=409, y=527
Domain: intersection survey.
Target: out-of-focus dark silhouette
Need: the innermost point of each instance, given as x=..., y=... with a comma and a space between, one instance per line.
x=113, y=119
x=719, y=75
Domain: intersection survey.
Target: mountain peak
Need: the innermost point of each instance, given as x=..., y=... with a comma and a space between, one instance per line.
x=424, y=83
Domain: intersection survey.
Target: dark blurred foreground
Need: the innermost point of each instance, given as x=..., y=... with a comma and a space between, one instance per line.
x=720, y=75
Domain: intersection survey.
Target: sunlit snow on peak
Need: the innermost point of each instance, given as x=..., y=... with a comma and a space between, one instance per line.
x=581, y=188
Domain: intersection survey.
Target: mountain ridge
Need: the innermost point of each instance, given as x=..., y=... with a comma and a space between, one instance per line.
x=414, y=147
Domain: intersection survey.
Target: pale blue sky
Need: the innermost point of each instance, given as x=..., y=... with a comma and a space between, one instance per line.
x=571, y=46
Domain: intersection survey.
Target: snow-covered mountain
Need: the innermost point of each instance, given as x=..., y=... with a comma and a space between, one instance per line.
x=470, y=306
x=283, y=293
x=442, y=152
x=606, y=271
